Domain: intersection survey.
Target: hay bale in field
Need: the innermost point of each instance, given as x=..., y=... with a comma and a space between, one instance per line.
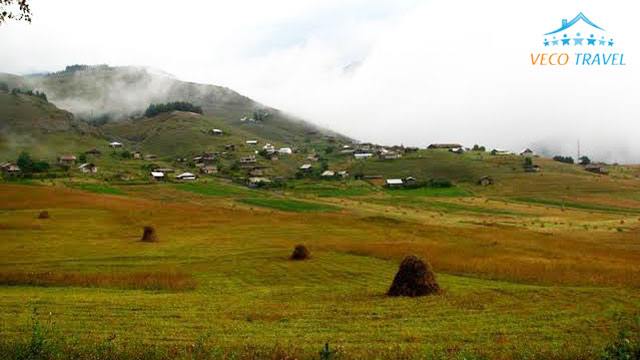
x=43, y=215
x=300, y=252
x=149, y=234
x=414, y=278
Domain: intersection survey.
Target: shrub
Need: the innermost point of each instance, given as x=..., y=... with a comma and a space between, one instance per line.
x=563, y=159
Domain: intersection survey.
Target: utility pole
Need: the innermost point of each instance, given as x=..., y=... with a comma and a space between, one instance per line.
x=578, y=159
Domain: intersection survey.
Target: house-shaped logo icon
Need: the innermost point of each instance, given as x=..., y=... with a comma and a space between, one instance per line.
x=578, y=32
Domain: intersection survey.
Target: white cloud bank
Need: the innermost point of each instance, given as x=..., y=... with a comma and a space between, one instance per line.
x=429, y=71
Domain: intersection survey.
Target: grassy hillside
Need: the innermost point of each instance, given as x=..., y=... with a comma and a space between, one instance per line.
x=32, y=124
x=120, y=92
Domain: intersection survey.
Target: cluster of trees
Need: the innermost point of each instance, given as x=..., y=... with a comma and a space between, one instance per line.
x=477, y=147
x=155, y=109
x=563, y=159
x=4, y=87
x=584, y=160
x=35, y=93
x=28, y=165
x=260, y=115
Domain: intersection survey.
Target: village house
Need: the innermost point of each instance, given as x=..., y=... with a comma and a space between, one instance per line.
x=186, y=176
x=393, y=183
x=313, y=157
x=216, y=132
x=150, y=157
x=410, y=180
x=256, y=172
x=328, y=173
x=255, y=182
x=500, y=152
x=252, y=142
x=67, y=160
x=485, y=181
x=269, y=149
x=343, y=174
x=248, y=159
x=10, y=169
x=361, y=156
x=389, y=155
x=164, y=170
x=526, y=152
x=115, y=144
x=347, y=151
x=88, y=168
x=94, y=152
x=137, y=155
x=230, y=147
x=457, y=150
x=306, y=167
x=597, y=169
x=157, y=175
x=209, y=169
x=285, y=151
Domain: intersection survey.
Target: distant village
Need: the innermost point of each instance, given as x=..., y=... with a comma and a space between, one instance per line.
x=251, y=158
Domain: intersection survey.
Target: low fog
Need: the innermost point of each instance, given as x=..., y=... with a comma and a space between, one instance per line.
x=391, y=72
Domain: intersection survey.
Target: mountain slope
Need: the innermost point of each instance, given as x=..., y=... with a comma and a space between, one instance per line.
x=32, y=124
x=119, y=93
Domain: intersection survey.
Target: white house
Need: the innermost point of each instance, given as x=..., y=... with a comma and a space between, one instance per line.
x=360, y=156
x=285, y=151
x=252, y=142
x=157, y=175
x=306, y=167
x=270, y=149
x=216, y=132
x=88, y=168
x=328, y=173
x=526, y=152
x=393, y=182
x=115, y=144
x=186, y=176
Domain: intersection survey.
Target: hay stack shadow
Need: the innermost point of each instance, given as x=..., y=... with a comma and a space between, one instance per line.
x=300, y=252
x=149, y=234
x=414, y=278
x=43, y=215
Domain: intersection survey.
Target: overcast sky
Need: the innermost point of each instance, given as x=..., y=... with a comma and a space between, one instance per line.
x=401, y=71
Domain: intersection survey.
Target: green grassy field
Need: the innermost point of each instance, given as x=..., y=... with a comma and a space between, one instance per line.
x=511, y=289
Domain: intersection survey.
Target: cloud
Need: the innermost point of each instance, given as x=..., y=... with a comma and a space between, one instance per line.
x=428, y=71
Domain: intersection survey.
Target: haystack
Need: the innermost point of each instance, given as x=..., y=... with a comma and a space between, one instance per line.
x=149, y=234
x=300, y=252
x=414, y=278
x=43, y=215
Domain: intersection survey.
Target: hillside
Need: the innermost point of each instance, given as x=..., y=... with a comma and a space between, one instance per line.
x=117, y=93
x=31, y=123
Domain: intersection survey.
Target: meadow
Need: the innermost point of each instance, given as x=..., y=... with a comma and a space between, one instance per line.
x=520, y=279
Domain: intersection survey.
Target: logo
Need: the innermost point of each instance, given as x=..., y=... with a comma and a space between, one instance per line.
x=579, y=42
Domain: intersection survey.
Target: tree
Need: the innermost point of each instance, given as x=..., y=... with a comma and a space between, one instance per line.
x=18, y=10
x=4, y=87
x=82, y=158
x=584, y=160
x=25, y=163
x=528, y=162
